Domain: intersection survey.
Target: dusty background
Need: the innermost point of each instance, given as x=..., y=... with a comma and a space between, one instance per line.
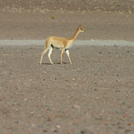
x=102, y=19
x=95, y=95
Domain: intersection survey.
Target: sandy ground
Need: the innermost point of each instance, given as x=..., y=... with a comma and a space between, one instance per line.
x=102, y=21
x=94, y=95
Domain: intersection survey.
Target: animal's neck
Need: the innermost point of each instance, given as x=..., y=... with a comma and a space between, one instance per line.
x=75, y=35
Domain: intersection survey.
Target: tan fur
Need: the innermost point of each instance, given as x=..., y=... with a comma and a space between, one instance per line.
x=61, y=43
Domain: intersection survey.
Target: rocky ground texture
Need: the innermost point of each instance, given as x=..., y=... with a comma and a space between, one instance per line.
x=94, y=95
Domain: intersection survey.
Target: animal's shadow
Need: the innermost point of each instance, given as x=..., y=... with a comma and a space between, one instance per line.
x=58, y=63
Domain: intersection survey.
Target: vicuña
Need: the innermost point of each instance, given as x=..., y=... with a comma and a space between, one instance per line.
x=60, y=43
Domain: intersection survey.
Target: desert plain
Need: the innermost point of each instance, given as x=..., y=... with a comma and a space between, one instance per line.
x=94, y=95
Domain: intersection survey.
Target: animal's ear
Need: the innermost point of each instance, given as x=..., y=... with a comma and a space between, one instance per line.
x=79, y=25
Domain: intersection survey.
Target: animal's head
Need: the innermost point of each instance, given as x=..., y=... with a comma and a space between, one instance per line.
x=81, y=29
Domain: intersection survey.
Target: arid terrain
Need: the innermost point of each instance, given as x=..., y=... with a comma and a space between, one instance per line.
x=94, y=95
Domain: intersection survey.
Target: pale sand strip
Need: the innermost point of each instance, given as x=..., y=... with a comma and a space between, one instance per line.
x=77, y=42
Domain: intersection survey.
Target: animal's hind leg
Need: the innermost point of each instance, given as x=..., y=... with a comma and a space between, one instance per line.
x=43, y=55
x=49, y=54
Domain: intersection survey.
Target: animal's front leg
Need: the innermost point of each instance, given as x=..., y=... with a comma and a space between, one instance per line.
x=62, y=52
x=67, y=52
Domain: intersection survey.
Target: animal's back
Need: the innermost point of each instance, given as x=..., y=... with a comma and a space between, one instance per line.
x=57, y=41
